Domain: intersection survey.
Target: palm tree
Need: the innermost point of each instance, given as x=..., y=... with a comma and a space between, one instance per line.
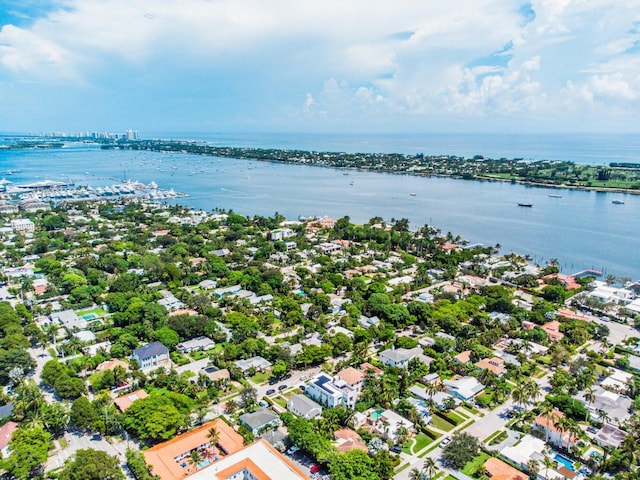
x=547, y=411
x=562, y=424
x=532, y=389
x=415, y=474
x=500, y=391
x=519, y=395
x=603, y=416
x=429, y=467
x=548, y=463
x=195, y=457
x=533, y=467
x=213, y=436
x=590, y=397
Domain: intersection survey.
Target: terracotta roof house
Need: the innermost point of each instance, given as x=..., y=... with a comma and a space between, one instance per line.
x=351, y=444
x=351, y=376
x=464, y=357
x=499, y=470
x=5, y=436
x=111, y=364
x=548, y=427
x=553, y=331
x=494, y=364
x=125, y=401
x=258, y=461
x=168, y=460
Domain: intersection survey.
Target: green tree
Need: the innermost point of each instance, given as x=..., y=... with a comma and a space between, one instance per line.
x=29, y=450
x=91, y=464
x=351, y=465
x=462, y=448
x=83, y=414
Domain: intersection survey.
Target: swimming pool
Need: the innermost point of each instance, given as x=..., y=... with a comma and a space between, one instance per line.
x=376, y=414
x=565, y=462
x=89, y=316
x=204, y=463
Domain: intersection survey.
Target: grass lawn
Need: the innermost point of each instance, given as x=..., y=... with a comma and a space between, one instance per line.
x=259, y=378
x=441, y=423
x=98, y=312
x=63, y=442
x=422, y=441
x=456, y=417
x=469, y=407
x=472, y=467
x=281, y=401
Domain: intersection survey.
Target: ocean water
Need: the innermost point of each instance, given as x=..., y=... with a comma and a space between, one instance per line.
x=581, y=229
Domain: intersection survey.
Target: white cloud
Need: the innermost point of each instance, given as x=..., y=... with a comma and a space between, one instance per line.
x=359, y=60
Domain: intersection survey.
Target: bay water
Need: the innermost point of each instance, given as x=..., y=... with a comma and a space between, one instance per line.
x=581, y=229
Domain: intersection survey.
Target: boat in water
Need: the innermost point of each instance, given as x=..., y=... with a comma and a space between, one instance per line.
x=555, y=196
x=528, y=205
x=617, y=202
x=412, y=194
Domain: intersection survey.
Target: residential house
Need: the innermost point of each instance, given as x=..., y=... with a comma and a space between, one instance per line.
x=552, y=329
x=527, y=449
x=616, y=406
x=258, y=461
x=548, y=427
x=464, y=388
x=389, y=422
x=152, y=355
x=610, y=436
x=493, y=364
x=257, y=363
x=499, y=470
x=169, y=460
x=6, y=431
x=196, y=344
x=216, y=375
x=125, y=401
x=304, y=407
x=334, y=391
x=259, y=421
x=400, y=357
x=23, y=225
x=69, y=320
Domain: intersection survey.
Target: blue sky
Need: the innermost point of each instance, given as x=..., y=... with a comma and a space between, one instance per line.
x=320, y=66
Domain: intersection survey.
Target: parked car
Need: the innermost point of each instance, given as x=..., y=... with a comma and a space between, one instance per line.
x=273, y=381
x=282, y=387
x=286, y=376
x=445, y=442
x=396, y=449
x=315, y=468
x=271, y=391
x=592, y=429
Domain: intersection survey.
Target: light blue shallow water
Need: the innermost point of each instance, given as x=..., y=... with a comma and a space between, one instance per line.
x=580, y=229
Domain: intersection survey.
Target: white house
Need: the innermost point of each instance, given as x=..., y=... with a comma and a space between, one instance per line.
x=152, y=355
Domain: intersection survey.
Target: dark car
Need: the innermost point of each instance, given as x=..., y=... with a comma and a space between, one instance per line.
x=282, y=387
x=271, y=391
x=273, y=381
x=396, y=449
x=286, y=377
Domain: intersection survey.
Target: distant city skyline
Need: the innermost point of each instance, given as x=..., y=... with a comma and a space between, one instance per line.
x=288, y=66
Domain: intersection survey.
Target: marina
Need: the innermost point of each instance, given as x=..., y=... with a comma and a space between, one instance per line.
x=60, y=191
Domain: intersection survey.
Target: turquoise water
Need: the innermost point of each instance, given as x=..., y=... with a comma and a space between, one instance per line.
x=376, y=414
x=581, y=229
x=204, y=463
x=89, y=316
x=565, y=462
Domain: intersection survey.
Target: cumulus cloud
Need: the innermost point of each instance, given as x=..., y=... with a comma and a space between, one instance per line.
x=355, y=61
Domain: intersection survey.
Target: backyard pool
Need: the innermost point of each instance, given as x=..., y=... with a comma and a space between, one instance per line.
x=565, y=462
x=89, y=316
x=376, y=414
